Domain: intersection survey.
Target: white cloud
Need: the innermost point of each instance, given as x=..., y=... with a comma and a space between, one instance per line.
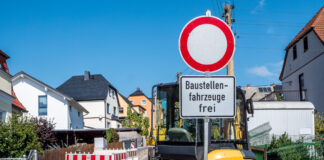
x=278, y=64
x=261, y=3
x=261, y=71
x=270, y=30
x=258, y=7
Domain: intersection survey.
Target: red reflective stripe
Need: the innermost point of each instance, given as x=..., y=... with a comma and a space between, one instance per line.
x=67, y=157
x=84, y=157
x=93, y=157
x=75, y=157
x=102, y=157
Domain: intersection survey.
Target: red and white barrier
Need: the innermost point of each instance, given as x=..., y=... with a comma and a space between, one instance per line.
x=118, y=155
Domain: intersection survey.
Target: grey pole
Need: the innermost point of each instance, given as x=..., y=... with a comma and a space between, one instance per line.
x=206, y=121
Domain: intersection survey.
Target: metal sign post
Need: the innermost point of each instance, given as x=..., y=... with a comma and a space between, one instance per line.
x=206, y=137
x=207, y=44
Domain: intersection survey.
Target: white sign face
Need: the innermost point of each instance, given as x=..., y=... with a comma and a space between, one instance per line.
x=212, y=96
x=207, y=44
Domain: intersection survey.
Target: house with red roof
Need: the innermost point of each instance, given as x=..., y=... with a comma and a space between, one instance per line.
x=302, y=72
x=9, y=103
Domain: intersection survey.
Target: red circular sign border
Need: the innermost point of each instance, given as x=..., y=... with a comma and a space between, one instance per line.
x=183, y=39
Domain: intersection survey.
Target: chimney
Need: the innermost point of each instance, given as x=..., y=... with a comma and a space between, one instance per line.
x=3, y=61
x=138, y=89
x=86, y=75
x=272, y=85
x=248, y=85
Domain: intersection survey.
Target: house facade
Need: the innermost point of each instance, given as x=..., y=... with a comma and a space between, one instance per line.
x=9, y=104
x=5, y=95
x=96, y=95
x=43, y=101
x=124, y=103
x=301, y=74
x=139, y=99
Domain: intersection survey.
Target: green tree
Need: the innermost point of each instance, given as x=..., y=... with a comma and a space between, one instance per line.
x=319, y=124
x=136, y=120
x=18, y=136
x=111, y=135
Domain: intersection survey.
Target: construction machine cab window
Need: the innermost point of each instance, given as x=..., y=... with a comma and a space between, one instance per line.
x=172, y=129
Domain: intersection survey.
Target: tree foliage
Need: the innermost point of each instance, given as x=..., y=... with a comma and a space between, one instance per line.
x=18, y=136
x=285, y=149
x=136, y=120
x=111, y=135
x=319, y=124
x=44, y=132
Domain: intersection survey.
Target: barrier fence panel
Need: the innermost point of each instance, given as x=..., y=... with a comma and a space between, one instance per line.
x=104, y=155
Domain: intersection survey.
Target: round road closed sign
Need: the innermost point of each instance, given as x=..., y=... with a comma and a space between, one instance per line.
x=206, y=44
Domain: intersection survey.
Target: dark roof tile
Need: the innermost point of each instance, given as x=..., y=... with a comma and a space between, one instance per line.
x=95, y=88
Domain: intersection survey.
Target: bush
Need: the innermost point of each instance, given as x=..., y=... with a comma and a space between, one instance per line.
x=112, y=136
x=285, y=149
x=18, y=136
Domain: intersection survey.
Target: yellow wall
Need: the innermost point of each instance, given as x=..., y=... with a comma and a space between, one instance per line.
x=123, y=104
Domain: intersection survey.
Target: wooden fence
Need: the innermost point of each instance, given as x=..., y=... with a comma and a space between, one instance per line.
x=59, y=154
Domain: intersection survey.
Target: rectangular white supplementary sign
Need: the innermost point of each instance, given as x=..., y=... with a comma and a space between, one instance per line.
x=207, y=96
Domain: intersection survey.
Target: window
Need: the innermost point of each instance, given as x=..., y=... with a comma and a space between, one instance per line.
x=131, y=102
x=121, y=110
x=302, y=91
x=265, y=90
x=1, y=118
x=108, y=125
x=113, y=94
x=294, y=52
x=260, y=90
x=109, y=92
x=107, y=107
x=305, y=44
x=118, y=126
x=79, y=114
x=269, y=89
x=42, y=105
x=143, y=102
x=115, y=111
x=70, y=108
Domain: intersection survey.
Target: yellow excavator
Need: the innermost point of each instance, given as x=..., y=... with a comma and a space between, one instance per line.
x=175, y=138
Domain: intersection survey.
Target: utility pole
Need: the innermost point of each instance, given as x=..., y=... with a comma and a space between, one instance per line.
x=228, y=20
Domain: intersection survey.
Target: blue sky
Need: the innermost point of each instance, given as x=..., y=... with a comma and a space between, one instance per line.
x=135, y=43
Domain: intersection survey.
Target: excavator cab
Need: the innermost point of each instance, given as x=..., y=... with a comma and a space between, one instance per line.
x=177, y=138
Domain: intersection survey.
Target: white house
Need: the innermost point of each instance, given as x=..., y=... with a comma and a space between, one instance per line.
x=277, y=117
x=98, y=96
x=43, y=101
x=302, y=72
